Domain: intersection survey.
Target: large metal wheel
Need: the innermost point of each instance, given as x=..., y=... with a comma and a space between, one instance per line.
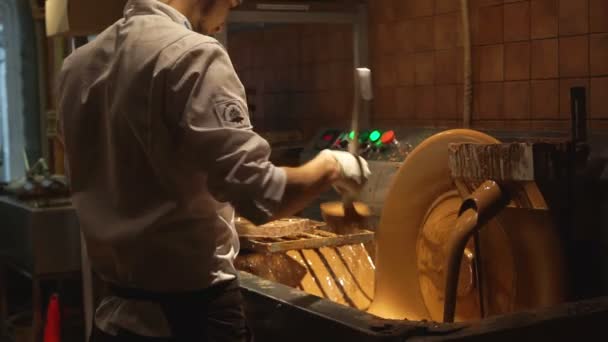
x=520, y=263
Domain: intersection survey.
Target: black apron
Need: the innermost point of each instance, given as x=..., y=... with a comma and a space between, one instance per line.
x=213, y=314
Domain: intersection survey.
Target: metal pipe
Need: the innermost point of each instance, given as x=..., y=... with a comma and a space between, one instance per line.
x=468, y=87
x=475, y=211
x=466, y=225
x=43, y=86
x=479, y=275
x=361, y=55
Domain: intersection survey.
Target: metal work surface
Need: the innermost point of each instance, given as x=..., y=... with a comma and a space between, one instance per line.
x=39, y=240
x=280, y=313
x=580, y=321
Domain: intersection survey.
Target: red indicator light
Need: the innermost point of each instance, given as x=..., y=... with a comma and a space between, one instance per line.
x=388, y=137
x=328, y=137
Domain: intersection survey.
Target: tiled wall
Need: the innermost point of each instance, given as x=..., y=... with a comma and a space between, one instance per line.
x=526, y=56
x=301, y=74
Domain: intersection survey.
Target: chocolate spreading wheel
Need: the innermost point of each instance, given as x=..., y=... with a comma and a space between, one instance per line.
x=520, y=261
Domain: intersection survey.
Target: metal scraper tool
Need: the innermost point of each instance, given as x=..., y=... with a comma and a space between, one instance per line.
x=362, y=91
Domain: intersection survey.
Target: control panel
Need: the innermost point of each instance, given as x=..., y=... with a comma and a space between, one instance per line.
x=375, y=144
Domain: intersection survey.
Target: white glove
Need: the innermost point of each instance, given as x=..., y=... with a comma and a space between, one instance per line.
x=354, y=174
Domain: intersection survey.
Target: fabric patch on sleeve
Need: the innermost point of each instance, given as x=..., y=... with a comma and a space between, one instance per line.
x=232, y=114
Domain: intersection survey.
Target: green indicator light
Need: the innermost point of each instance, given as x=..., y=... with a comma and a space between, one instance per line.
x=374, y=136
x=352, y=135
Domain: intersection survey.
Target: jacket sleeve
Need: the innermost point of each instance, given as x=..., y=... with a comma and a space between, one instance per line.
x=215, y=133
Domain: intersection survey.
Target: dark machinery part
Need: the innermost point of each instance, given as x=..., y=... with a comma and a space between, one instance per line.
x=280, y=313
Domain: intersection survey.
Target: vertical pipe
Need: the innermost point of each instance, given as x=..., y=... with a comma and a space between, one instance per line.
x=353, y=146
x=475, y=211
x=578, y=107
x=466, y=225
x=43, y=87
x=468, y=85
x=479, y=276
x=361, y=55
x=578, y=155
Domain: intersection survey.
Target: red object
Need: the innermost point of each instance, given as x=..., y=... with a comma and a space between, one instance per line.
x=327, y=137
x=52, y=328
x=388, y=137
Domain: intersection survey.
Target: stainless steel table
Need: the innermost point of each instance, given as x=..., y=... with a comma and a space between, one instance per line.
x=41, y=243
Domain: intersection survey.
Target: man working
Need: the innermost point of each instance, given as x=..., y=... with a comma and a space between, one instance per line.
x=160, y=153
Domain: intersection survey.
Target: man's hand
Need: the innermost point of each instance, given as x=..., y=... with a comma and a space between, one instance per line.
x=329, y=168
x=354, y=172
